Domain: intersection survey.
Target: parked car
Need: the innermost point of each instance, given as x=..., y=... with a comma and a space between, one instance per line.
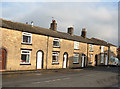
x=114, y=61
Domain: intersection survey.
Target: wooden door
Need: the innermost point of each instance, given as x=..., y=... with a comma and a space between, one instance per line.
x=2, y=59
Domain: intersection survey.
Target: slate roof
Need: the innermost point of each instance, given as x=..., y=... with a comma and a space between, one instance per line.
x=48, y=32
x=101, y=42
x=42, y=31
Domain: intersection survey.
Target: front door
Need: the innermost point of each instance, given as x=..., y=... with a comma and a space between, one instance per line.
x=106, y=60
x=2, y=59
x=65, y=60
x=95, y=60
x=83, y=61
x=39, y=59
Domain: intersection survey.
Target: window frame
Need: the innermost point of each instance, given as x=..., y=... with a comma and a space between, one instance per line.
x=76, y=45
x=58, y=40
x=91, y=47
x=57, y=53
x=102, y=60
x=111, y=49
x=91, y=56
x=26, y=34
x=102, y=49
x=77, y=57
x=26, y=54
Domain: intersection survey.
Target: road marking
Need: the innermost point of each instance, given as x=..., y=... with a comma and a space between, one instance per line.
x=36, y=82
x=47, y=81
x=65, y=78
x=58, y=79
x=38, y=74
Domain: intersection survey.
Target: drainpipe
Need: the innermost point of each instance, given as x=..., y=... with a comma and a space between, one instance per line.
x=87, y=55
x=108, y=53
x=47, y=51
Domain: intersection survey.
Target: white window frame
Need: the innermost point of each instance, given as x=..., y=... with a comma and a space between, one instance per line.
x=91, y=56
x=111, y=49
x=102, y=58
x=102, y=49
x=76, y=45
x=58, y=40
x=76, y=55
x=25, y=53
x=91, y=47
x=26, y=34
x=57, y=54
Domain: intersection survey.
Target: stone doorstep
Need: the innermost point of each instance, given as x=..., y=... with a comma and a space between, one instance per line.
x=38, y=71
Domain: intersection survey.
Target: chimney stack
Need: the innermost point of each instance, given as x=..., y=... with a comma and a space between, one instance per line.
x=83, y=33
x=53, y=25
x=32, y=23
x=70, y=30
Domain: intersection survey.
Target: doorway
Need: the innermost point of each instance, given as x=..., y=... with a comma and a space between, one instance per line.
x=106, y=60
x=3, y=54
x=96, y=59
x=65, y=59
x=40, y=60
x=83, y=60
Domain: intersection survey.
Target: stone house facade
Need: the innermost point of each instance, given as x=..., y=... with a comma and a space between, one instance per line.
x=28, y=47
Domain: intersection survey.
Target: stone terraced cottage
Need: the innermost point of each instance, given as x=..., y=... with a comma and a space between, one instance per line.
x=28, y=47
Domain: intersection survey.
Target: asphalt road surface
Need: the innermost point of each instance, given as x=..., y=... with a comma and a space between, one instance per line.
x=87, y=77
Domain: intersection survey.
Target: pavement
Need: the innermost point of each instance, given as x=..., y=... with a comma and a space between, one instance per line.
x=86, y=77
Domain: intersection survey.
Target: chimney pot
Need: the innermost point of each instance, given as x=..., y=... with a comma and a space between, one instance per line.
x=53, y=25
x=32, y=23
x=83, y=33
x=70, y=30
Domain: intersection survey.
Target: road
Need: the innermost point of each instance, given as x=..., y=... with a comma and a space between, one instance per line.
x=87, y=77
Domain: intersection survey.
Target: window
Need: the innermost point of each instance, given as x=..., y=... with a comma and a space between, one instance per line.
x=26, y=38
x=111, y=49
x=55, y=57
x=91, y=58
x=75, y=58
x=102, y=49
x=25, y=56
x=76, y=45
x=91, y=47
x=56, y=42
x=102, y=58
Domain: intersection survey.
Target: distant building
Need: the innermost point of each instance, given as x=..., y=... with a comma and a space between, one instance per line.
x=118, y=53
x=28, y=47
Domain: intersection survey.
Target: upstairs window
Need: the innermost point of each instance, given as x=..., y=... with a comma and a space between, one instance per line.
x=56, y=42
x=25, y=56
x=91, y=47
x=111, y=49
x=102, y=58
x=26, y=38
x=55, y=57
x=102, y=49
x=76, y=58
x=76, y=45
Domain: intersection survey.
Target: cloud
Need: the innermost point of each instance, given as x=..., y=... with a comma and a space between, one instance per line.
x=100, y=19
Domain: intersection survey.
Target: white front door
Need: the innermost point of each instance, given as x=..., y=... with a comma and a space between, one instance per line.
x=106, y=60
x=83, y=61
x=65, y=61
x=39, y=60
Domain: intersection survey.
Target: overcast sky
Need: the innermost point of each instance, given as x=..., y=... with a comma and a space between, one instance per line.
x=100, y=18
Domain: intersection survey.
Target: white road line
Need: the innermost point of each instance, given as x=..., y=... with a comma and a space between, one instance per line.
x=38, y=74
x=58, y=79
x=48, y=81
x=65, y=78
x=36, y=82
x=51, y=80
